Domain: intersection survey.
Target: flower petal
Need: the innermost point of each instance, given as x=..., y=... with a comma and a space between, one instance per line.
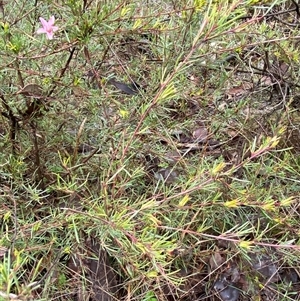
x=41, y=30
x=50, y=35
x=47, y=27
x=44, y=22
x=51, y=21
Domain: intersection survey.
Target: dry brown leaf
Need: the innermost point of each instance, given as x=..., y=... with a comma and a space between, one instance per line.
x=226, y=290
x=32, y=90
x=215, y=261
x=3, y=251
x=200, y=134
x=239, y=90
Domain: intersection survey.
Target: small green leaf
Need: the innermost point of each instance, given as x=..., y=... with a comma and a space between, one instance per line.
x=246, y=244
x=287, y=202
x=152, y=274
x=168, y=92
x=232, y=204
x=184, y=200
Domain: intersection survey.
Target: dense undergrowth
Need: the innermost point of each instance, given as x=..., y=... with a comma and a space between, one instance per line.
x=150, y=150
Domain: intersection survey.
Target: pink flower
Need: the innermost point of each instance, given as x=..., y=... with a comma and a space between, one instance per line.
x=48, y=27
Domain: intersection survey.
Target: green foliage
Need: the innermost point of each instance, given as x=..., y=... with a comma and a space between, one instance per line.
x=202, y=158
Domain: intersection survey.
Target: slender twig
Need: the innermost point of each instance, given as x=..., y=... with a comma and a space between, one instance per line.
x=297, y=9
x=64, y=69
x=75, y=151
x=14, y=123
x=37, y=160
